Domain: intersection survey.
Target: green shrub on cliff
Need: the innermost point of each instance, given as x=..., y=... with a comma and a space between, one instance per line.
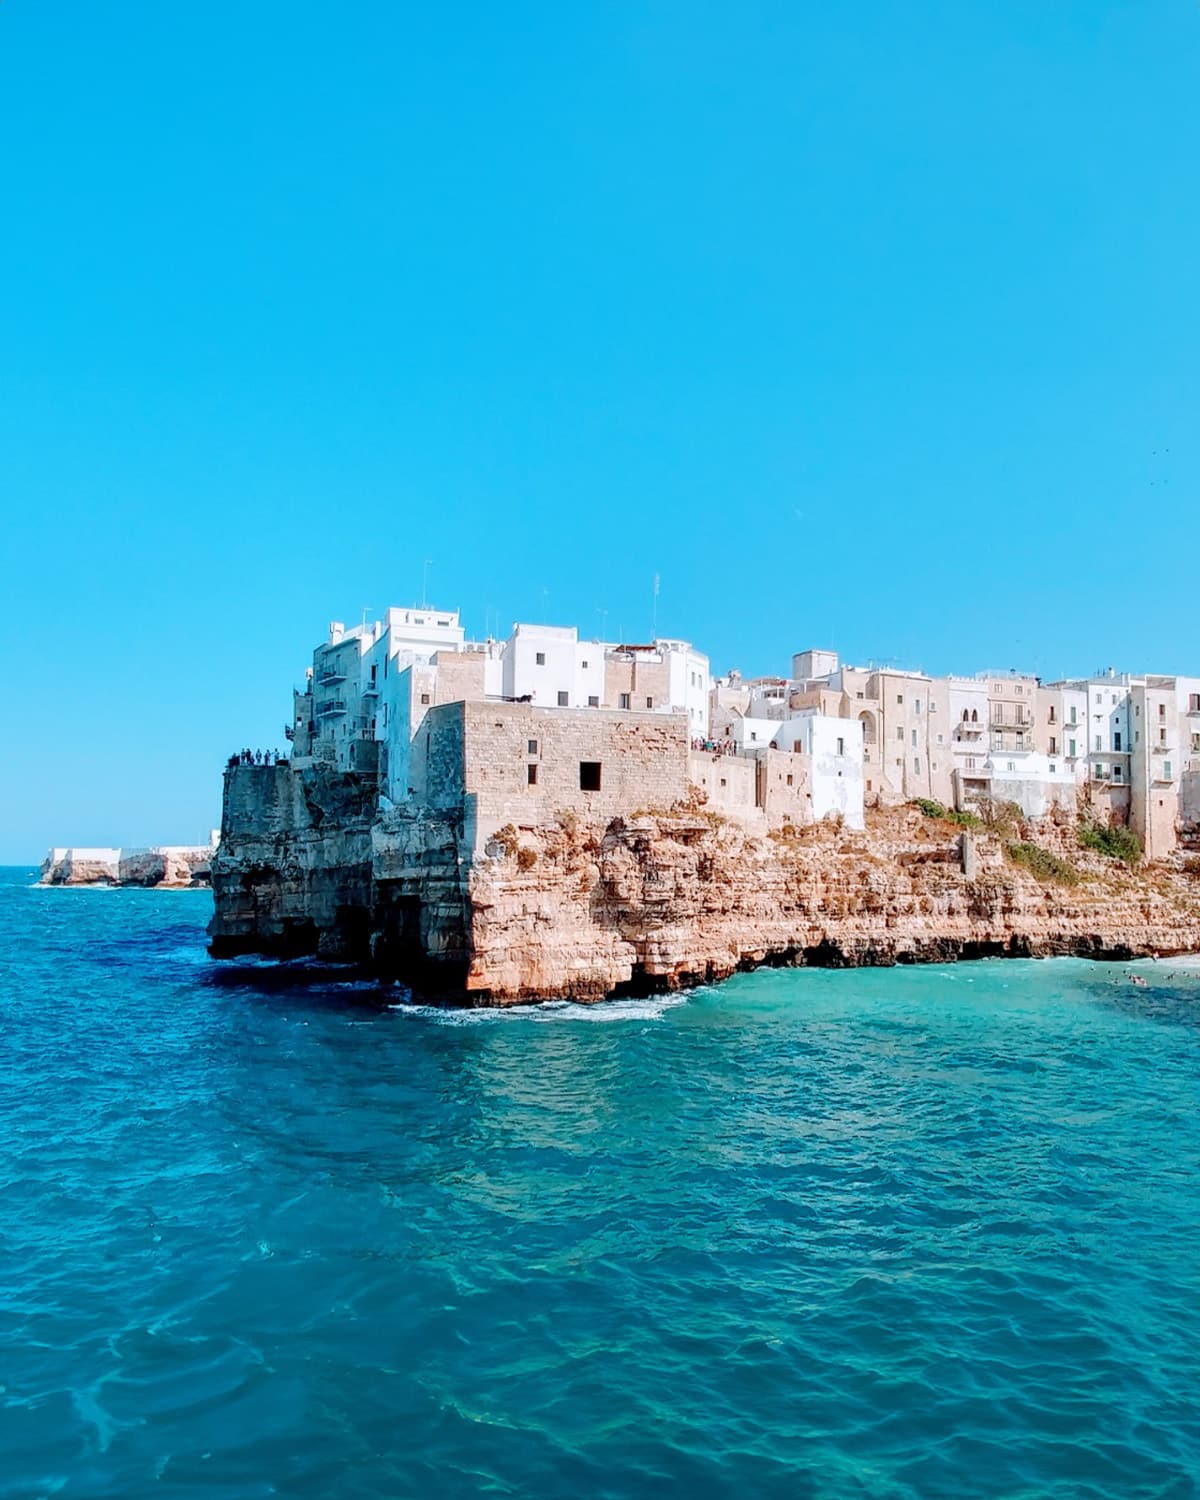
x=1041, y=864
x=934, y=809
x=1117, y=843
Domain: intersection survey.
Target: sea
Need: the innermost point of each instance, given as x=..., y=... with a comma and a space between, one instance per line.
x=275, y=1230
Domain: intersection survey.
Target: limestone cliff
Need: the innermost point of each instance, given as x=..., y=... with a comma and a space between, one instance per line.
x=307, y=865
x=668, y=900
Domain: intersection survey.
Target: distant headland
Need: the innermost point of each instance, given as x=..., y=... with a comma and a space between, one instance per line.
x=172, y=866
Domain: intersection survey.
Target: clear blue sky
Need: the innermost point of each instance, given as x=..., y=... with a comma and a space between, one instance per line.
x=865, y=325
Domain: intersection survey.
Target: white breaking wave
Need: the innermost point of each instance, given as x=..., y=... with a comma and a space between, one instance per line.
x=649, y=1008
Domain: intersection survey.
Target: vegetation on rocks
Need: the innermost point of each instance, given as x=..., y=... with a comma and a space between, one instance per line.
x=935, y=809
x=1041, y=864
x=1116, y=843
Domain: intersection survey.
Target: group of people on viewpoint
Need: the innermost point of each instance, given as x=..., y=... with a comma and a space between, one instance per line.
x=715, y=747
x=257, y=758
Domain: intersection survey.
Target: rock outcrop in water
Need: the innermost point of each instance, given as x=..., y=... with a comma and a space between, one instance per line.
x=172, y=866
x=308, y=865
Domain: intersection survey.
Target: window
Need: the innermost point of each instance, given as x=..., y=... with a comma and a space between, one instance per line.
x=1167, y=769
x=900, y=734
x=593, y=701
x=1195, y=743
x=1162, y=736
x=754, y=734
x=1071, y=749
x=914, y=739
x=563, y=699
x=1072, y=716
x=585, y=666
x=1116, y=773
x=649, y=702
x=1097, y=742
x=723, y=781
x=970, y=762
x=589, y=775
x=1117, y=740
x=1053, y=769
x=1011, y=767
x=541, y=658
x=1194, y=703
x=531, y=775
x=424, y=697
x=789, y=780
x=624, y=700
x=532, y=747
x=900, y=698
x=1053, y=745
x=940, y=739
x=917, y=764
x=841, y=749
x=974, y=716
x=917, y=706
x=1052, y=713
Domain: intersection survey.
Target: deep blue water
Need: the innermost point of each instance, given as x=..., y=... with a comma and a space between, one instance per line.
x=921, y=1232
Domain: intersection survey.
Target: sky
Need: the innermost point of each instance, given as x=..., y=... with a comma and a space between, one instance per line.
x=871, y=326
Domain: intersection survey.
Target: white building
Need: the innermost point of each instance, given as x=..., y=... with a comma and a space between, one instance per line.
x=834, y=747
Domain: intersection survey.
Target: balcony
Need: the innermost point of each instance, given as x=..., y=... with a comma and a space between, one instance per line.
x=1160, y=749
x=330, y=707
x=333, y=675
x=371, y=690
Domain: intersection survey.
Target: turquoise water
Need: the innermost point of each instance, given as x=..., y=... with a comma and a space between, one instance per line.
x=922, y=1232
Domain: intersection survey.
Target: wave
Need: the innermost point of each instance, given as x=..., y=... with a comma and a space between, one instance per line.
x=648, y=1008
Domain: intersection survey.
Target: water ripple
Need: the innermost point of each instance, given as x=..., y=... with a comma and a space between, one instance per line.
x=275, y=1231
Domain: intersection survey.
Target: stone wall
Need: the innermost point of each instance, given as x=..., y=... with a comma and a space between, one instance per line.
x=642, y=760
x=728, y=785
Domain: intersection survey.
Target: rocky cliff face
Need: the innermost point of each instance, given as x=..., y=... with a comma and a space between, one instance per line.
x=664, y=901
x=657, y=901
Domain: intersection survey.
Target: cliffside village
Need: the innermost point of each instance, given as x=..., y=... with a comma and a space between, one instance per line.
x=546, y=724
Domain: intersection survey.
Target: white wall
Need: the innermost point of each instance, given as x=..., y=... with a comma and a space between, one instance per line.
x=834, y=746
x=690, y=680
x=542, y=683
x=1035, y=782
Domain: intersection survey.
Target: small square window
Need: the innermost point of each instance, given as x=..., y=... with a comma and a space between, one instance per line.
x=624, y=700
x=424, y=697
x=541, y=658
x=593, y=701
x=585, y=666
x=589, y=775
x=532, y=747
x=563, y=700
x=531, y=774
